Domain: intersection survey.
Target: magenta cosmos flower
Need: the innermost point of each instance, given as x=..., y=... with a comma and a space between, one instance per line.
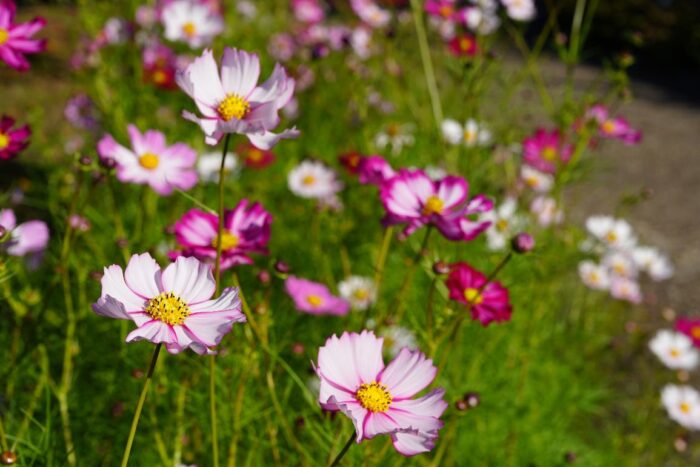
x=314, y=298
x=232, y=102
x=377, y=398
x=16, y=38
x=246, y=231
x=487, y=301
x=412, y=198
x=172, y=306
x=691, y=328
x=150, y=161
x=30, y=237
x=374, y=170
x=12, y=141
x=613, y=127
x=546, y=150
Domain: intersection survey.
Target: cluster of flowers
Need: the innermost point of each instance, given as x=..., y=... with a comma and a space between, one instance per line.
x=679, y=350
x=620, y=259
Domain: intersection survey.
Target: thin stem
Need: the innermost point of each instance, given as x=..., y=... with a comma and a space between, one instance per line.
x=340, y=455
x=427, y=63
x=398, y=301
x=220, y=228
x=212, y=408
x=139, y=405
x=429, y=312
x=574, y=46
x=3, y=439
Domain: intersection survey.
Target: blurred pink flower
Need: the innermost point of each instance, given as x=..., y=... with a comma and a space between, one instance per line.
x=171, y=306
x=16, y=38
x=379, y=399
x=487, y=302
x=231, y=101
x=314, y=298
x=30, y=237
x=308, y=11
x=691, y=328
x=546, y=150
x=374, y=170
x=613, y=127
x=464, y=45
x=12, y=141
x=150, y=161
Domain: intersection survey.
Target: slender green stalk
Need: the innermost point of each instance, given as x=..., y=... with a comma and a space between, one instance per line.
x=381, y=259
x=574, y=46
x=345, y=449
x=396, y=305
x=3, y=438
x=429, y=313
x=139, y=406
x=427, y=63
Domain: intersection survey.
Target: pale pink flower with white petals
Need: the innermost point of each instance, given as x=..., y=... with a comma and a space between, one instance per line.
x=27, y=238
x=171, y=306
x=192, y=22
x=231, y=101
x=378, y=398
x=624, y=288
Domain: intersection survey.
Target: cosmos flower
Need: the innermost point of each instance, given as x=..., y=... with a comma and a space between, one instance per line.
x=28, y=238
x=534, y=179
x=313, y=179
x=351, y=161
x=150, y=161
x=308, y=11
x=463, y=45
x=412, y=198
x=314, y=298
x=613, y=127
x=487, y=301
x=651, y=261
x=546, y=150
x=398, y=338
x=546, y=211
x=620, y=264
x=504, y=223
x=78, y=223
x=12, y=141
x=682, y=403
x=191, y=22
x=379, y=399
x=471, y=134
x=611, y=232
x=370, y=13
x=231, y=101
x=208, y=166
x=520, y=10
x=171, y=306
x=81, y=112
x=691, y=328
x=246, y=231
x=359, y=291
x=625, y=288
x=16, y=38
x=593, y=275
x=282, y=46
x=374, y=170
x=675, y=350
x=159, y=65
x=395, y=136
x=254, y=158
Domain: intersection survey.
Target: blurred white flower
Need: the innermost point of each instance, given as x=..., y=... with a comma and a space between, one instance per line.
x=208, y=166
x=620, y=264
x=615, y=233
x=651, y=261
x=624, y=288
x=682, y=403
x=520, y=10
x=313, y=179
x=395, y=137
x=359, y=291
x=675, y=350
x=594, y=275
x=534, y=179
x=546, y=211
x=192, y=22
x=505, y=223
x=397, y=338
x=472, y=133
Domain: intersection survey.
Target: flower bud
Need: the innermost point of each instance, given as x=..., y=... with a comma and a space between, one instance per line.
x=8, y=458
x=523, y=243
x=108, y=162
x=441, y=268
x=85, y=160
x=264, y=277
x=461, y=405
x=472, y=399
x=282, y=267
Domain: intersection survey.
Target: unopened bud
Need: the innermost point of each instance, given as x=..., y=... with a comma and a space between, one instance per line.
x=282, y=267
x=8, y=458
x=523, y=243
x=441, y=268
x=472, y=399
x=85, y=160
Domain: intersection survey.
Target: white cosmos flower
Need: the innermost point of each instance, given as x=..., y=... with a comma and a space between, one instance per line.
x=395, y=136
x=534, y=179
x=682, y=403
x=504, y=224
x=594, y=275
x=651, y=261
x=615, y=233
x=520, y=10
x=208, y=166
x=624, y=288
x=359, y=291
x=675, y=350
x=472, y=133
x=313, y=179
x=192, y=22
x=546, y=211
x=397, y=338
x=620, y=264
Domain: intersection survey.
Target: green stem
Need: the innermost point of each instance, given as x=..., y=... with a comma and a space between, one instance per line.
x=139, y=406
x=429, y=313
x=427, y=63
x=574, y=46
x=220, y=228
x=340, y=455
x=3, y=438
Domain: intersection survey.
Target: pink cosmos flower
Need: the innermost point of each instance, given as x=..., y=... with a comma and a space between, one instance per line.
x=463, y=45
x=691, y=328
x=546, y=150
x=12, y=141
x=627, y=289
x=16, y=38
x=308, y=11
x=371, y=13
x=246, y=231
x=487, y=301
x=171, y=306
x=412, y=198
x=232, y=102
x=613, y=127
x=443, y=9
x=150, y=161
x=314, y=298
x=374, y=170
x=159, y=65
x=30, y=237
x=379, y=399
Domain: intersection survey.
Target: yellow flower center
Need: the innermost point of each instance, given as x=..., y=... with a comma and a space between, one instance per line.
x=433, y=205
x=473, y=296
x=228, y=241
x=446, y=11
x=168, y=308
x=233, y=106
x=532, y=182
x=374, y=397
x=160, y=77
x=549, y=154
x=594, y=277
x=620, y=268
x=611, y=236
x=465, y=44
x=608, y=126
x=4, y=36
x=469, y=136
x=392, y=130
x=314, y=300
x=361, y=294
x=675, y=353
x=695, y=332
x=685, y=407
x=148, y=160
x=308, y=180
x=255, y=155
x=189, y=29
x=501, y=225
x=4, y=139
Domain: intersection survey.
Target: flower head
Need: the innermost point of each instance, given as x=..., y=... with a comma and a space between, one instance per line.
x=150, y=161
x=209, y=164
x=171, y=306
x=472, y=133
x=682, y=404
x=651, y=261
x=546, y=211
x=159, y=65
x=28, y=238
x=593, y=275
x=16, y=38
x=613, y=127
x=611, y=232
x=504, y=222
x=313, y=179
x=397, y=338
x=360, y=291
x=412, y=198
x=395, y=136
x=463, y=45
x=246, y=231
x=371, y=13
x=546, y=150
x=625, y=288
x=691, y=328
x=520, y=10
x=487, y=301
x=12, y=141
x=675, y=350
x=308, y=11
x=374, y=170
x=253, y=157
x=192, y=22
x=379, y=399
x=231, y=101
x=314, y=298
x=534, y=179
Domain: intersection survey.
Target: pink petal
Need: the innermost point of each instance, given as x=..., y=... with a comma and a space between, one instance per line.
x=154, y=331
x=239, y=71
x=142, y=275
x=377, y=423
x=409, y=443
x=189, y=279
x=409, y=373
x=113, y=285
